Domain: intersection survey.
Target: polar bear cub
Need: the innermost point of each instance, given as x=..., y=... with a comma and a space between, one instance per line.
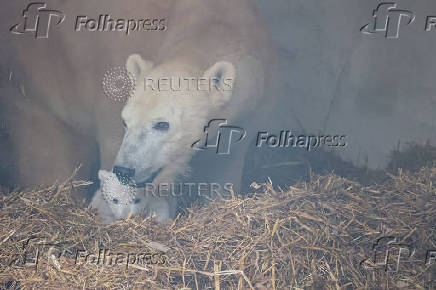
x=115, y=201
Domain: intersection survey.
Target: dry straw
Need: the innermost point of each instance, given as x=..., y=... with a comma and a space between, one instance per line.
x=315, y=235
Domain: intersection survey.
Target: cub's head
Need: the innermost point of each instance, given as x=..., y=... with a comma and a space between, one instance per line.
x=120, y=199
x=167, y=113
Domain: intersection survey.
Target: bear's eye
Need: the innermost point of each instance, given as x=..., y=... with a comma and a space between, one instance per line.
x=161, y=126
x=124, y=124
x=137, y=200
x=115, y=201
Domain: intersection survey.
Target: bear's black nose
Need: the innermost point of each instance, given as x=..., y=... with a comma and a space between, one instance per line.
x=124, y=174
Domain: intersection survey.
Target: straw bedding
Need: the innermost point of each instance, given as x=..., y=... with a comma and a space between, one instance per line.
x=320, y=234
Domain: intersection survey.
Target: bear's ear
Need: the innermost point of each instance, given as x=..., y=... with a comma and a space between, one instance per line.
x=137, y=66
x=222, y=79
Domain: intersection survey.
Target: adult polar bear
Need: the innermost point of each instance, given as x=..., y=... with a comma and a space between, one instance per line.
x=162, y=125
x=69, y=121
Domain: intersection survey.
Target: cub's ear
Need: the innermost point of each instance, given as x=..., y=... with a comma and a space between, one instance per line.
x=222, y=79
x=137, y=66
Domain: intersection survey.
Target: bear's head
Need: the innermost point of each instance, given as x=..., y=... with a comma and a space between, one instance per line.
x=118, y=198
x=167, y=113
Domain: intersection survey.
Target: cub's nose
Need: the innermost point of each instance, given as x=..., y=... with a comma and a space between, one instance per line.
x=124, y=174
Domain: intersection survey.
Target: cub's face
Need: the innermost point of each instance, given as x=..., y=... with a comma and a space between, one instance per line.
x=119, y=199
x=163, y=121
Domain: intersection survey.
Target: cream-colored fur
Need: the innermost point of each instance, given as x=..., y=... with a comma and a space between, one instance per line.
x=65, y=120
x=115, y=201
x=238, y=57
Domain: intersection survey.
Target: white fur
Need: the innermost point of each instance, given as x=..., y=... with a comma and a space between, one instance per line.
x=199, y=46
x=187, y=111
x=111, y=188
